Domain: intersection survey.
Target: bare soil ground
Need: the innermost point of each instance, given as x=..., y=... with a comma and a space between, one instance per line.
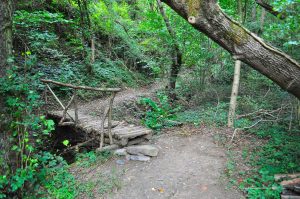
x=186, y=168
x=189, y=165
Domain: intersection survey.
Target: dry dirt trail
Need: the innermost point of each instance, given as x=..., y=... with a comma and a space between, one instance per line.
x=187, y=167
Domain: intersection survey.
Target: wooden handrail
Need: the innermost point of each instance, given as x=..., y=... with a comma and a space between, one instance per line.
x=107, y=112
x=81, y=87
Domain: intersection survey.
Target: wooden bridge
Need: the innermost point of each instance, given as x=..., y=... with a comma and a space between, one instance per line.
x=101, y=129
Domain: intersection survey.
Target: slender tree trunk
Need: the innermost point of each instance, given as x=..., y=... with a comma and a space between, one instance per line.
x=6, y=13
x=236, y=83
x=298, y=112
x=234, y=93
x=207, y=17
x=93, y=49
x=86, y=24
x=245, y=11
x=176, y=53
x=262, y=20
x=240, y=10
x=253, y=15
x=82, y=25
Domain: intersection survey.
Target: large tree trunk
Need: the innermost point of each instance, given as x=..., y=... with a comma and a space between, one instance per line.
x=207, y=17
x=6, y=12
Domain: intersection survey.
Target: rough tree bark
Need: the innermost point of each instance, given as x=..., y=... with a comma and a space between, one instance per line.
x=6, y=12
x=207, y=17
x=176, y=53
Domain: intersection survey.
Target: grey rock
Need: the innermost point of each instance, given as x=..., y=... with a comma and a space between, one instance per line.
x=148, y=150
x=120, y=152
x=141, y=158
x=127, y=157
x=120, y=162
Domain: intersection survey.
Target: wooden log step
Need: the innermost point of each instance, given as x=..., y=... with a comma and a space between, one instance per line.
x=289, y=197
x=133, y=134
x=128, y=130
x=122, y=142
x=293, y=182
x=131, y=131
x=279, y=177
x=124, y=128
x=97, y=124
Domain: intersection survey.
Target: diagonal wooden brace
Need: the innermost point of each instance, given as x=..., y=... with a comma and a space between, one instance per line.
x=66, y=109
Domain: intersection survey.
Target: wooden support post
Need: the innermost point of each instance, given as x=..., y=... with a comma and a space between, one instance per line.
x=111, y=101
x=65, y=110
x=75, y=106
x=102, y=127
x=56, y=98
x=45, y=95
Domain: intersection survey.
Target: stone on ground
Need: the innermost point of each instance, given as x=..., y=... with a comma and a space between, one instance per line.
x=120, y=152
x=141, y=158
x=147, y=150
x=120, y=162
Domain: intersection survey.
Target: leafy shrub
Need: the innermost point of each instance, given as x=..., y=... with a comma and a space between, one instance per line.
x=158, y=114
x=207, y=114
x=23, y=166
x=279, y=155
x=90, y=158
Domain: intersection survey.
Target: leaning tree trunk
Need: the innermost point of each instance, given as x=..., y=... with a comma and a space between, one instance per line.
x=6, y=11
x=207, y=17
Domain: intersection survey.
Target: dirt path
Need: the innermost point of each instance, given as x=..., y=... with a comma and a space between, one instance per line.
x=129, y=94
x=187, y=167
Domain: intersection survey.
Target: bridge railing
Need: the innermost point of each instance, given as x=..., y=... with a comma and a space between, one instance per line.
x=74, y=121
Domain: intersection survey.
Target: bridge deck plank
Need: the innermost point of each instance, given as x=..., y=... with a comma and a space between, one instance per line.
x=92, y=123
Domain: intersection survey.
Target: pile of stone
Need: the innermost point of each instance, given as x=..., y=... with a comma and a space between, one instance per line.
x=137, y=153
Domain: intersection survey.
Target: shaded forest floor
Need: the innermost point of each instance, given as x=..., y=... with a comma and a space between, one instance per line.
x=190, y=163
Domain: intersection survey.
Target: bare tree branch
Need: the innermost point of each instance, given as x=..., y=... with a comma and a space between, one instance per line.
x=271, y=9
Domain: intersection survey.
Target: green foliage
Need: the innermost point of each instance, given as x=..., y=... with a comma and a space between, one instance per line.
x=206, y=114
x=36, y=31
x=54, y=178
x=279, y=155
x=24, y=135
x=90, y=158
x=158, y=114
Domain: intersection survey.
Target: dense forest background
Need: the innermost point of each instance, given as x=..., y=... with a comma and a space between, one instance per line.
x=128, y=43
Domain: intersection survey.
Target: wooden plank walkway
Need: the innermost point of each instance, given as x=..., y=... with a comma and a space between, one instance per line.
x=123, y=134
x=95, y=128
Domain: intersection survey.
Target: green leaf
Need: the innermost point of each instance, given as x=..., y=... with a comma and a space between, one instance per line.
x=66, y=142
